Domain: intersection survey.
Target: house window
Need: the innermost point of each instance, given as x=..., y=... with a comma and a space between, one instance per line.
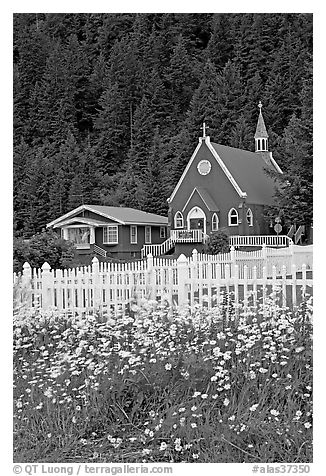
x=110, y=235
x=233, y=217
x=178, y=220
x=162, y=232
x=214, y=222
x=78, y=235
x=148, y=234
x=250, y=218
x=133, y=234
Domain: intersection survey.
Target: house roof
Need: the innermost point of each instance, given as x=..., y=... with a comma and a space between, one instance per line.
x=249, y=170
x=82, y=220
x=122, y=215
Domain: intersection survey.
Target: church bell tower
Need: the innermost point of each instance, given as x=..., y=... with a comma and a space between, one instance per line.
x=261, y=136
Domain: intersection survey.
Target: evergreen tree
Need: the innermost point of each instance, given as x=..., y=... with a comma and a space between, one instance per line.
x=154, y=198
x=294, y=197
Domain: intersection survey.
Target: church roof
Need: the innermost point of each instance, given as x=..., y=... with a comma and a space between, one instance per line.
x=261, y=132
x=249, y=170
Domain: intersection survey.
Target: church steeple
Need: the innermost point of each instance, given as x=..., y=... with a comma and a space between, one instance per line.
x=261, y=136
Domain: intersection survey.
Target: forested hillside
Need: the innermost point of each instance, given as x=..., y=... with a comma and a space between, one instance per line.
x=108, y=107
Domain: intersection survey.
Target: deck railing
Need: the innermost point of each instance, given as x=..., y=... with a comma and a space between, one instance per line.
x=259, y=240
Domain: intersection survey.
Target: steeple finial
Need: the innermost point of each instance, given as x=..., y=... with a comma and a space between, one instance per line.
x=204, y=127
x=261, y=136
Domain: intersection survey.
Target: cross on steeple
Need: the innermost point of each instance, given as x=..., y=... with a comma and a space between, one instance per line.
x=204, y=127
x=260, y=105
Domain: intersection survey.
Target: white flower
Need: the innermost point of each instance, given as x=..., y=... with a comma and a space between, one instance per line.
x=299, y=349
x=232, y=418
x=193, y=408
x=263, y=371
x=196, y=394
x=163, y=446
x=193, y=425
x=275, y=412
x=253, y=407
x=195, y=455
x=168, y=366
x=307, y=425
x=226, y=402
x=214, y=378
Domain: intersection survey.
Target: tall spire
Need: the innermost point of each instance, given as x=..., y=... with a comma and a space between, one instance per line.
x=261, y=136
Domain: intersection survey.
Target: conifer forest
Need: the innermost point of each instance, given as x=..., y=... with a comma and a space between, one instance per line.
x=108, y=108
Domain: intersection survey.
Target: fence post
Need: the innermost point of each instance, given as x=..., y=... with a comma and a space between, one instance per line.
x=182, y=270
x=233, y=262
x=150, y=283
x=27, y=283
x=96, y=283
x=291, y=249
x=47, y=286
x=27, y=273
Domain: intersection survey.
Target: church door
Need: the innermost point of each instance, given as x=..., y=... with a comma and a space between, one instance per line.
x=196, y=219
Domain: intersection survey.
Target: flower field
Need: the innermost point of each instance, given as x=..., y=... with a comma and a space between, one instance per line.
x=155, y=386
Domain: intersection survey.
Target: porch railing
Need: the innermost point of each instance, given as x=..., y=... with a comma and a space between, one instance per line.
x=187, y=236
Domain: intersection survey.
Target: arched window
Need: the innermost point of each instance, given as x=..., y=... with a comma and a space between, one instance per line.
x=233, y=217
x=250, y=217
x=214, y=222
x=258, y=148
x=178, y=220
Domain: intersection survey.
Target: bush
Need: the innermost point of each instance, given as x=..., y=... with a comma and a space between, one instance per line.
x=218, y=242
x=44, y=246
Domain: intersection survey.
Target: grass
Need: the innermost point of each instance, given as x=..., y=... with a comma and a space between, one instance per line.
x=160, y=387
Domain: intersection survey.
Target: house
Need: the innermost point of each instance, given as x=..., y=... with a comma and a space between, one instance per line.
x=222, y=187
x=117, y=232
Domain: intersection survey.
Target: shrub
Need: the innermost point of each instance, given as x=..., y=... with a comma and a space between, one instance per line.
x=218, y=242
x=44, y=246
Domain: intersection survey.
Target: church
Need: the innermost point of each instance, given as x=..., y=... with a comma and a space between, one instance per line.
x=221, y=188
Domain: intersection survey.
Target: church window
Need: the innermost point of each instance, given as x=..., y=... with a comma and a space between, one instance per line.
x=250, y=218
x=233, y=217
x=178, y=220
x=204, y=167
x=214, y=222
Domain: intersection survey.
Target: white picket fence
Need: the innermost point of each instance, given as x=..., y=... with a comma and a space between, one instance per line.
x=198, y=279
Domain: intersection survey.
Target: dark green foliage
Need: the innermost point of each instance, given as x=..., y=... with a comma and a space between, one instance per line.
x=91, y=89
x=43, y=247
x=218, y=242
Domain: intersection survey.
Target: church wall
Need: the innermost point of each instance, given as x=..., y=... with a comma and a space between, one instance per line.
x=217, y=185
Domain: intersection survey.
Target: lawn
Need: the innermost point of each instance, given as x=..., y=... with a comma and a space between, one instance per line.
x=161, y=386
